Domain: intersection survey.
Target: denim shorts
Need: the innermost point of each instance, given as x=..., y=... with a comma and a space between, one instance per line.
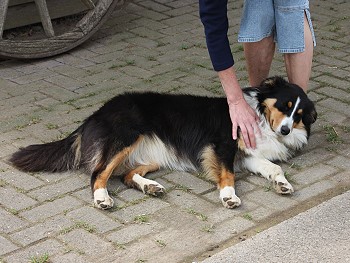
x=284, y=19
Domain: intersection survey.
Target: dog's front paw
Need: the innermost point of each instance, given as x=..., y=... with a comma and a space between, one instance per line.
x=228, y=197
x=102, y=200
x=282, y=186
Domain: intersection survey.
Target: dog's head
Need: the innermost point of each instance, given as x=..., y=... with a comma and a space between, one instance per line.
x=285, y=106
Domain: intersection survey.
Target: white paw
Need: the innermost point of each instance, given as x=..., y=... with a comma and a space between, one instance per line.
x=148, y=186
x=228, y=197
x=282, y=186
x=102, y=199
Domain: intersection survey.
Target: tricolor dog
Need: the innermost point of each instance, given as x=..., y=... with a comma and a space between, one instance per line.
x=137, y=133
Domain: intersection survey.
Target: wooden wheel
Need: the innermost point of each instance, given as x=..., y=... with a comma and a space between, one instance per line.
x=53, y=44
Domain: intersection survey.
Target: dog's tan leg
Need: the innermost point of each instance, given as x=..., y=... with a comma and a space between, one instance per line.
x=101, y=198
x=224, y=178
x=226, y=185
x=135, y=178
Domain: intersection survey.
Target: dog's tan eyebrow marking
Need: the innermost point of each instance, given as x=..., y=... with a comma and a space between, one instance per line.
x=290, y=104
x=300, y=111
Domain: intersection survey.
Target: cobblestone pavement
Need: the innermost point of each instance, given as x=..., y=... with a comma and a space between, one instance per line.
x=156, y=45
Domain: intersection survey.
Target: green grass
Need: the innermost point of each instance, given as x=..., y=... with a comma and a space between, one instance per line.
x=197, y=214
x=208, y=228
x=45, y=258
x=161, y=243
x=141, y=219
x=331, y=134
x=247, y=216
x=79, y=224
x=51, y=126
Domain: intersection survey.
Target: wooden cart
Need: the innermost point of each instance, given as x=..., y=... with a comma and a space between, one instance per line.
x=15, y=13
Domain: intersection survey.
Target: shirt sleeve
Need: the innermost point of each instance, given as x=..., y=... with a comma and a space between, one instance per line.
x=213, y=14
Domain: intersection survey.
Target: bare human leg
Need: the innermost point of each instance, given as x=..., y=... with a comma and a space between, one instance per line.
x=298, y=65
x=259, y=57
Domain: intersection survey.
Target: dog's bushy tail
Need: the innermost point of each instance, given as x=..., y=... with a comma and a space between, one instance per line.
x=55, y=156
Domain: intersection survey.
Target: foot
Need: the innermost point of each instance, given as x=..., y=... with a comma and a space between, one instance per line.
x=282, y=186
x=102, y=199
x=148, y=186
x=228, y=197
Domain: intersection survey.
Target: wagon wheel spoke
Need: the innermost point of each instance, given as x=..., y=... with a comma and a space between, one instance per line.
x=88, y=3
x=45, y=17
x=3, y=11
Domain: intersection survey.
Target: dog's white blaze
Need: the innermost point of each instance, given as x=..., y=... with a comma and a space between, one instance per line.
x=288, y=121
x=153, y=150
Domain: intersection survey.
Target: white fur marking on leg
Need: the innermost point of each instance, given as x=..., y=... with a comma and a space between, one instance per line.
x=228, y=197
x=102, y=199
x=148, y=186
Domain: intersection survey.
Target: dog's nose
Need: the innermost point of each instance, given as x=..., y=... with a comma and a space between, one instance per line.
x=285, y=130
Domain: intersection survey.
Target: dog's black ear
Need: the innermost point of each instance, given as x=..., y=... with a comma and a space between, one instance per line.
x=311, y=116
x=273, y=82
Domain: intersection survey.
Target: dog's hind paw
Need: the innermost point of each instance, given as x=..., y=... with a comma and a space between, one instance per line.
x=102, y=199
x=148, y=186
x=154, y=189
x=228, y=197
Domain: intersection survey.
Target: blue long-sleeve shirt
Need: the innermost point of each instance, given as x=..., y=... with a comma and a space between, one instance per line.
x=213, y=14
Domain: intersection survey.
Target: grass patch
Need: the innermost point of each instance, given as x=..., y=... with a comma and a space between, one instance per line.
x=45, y=258
x=197, y=214
x=141, y=219
x=79, y=224
x=208, y=228
x=331, y=134
x=160, y=243
x=247, y=216
x=51, y=126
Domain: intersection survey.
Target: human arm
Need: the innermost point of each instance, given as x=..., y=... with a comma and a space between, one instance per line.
x=241, y=114
x=213, y=14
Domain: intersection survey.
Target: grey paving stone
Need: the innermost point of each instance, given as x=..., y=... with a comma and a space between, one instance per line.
x=189, y=201
x=95, y=218
x=149, y=206
x=340, y=162
x=130, y=195
x=189, y=181
x=133, y=232
x=51, y=208
x=10, y=198
x=272, y=200
x=10, y=223
x=342, y=179
x=6, y=246
x=57, y=189
x=335, y=105
x=87, y=244
x=20, y=180
x=69, y=258
x=46, y=229
x=49, y=247
x=229, y=229
x=312, y=190
x=313, y=174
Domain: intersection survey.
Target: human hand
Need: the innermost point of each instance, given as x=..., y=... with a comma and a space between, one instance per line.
x=244, y=117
